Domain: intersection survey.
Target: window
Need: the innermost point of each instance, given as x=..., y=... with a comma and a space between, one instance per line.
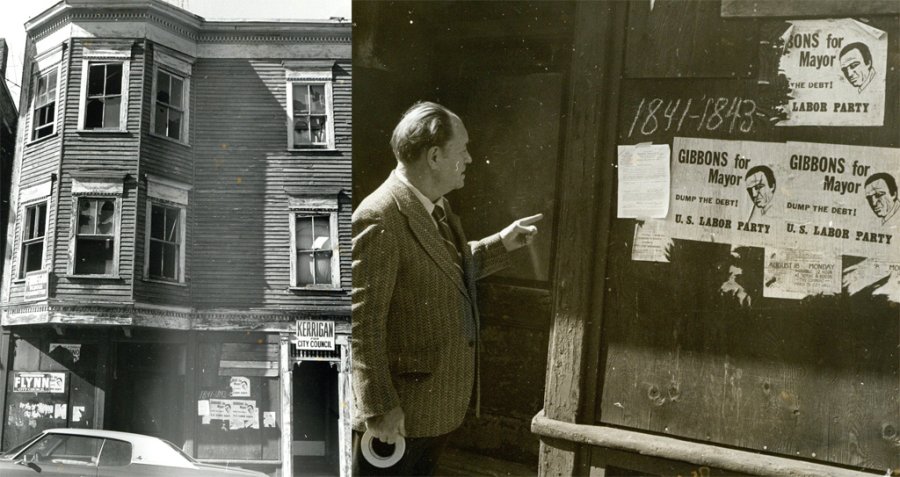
x=104, y=96
x=169, y=111
x=315, y=261
x=33, y=231
x=314, y=250
x=167, y=202
x=310, y=109
x=165, y=242
x=65, y=449
x=104, y=85
x=115, y=453
x=95, y=239
x=310, y=115
x=44, y=117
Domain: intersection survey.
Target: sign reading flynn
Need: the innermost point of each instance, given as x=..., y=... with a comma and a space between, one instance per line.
x=24, y=382
x=315, y=335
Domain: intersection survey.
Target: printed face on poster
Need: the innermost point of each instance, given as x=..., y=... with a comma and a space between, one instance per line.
x=836, y=70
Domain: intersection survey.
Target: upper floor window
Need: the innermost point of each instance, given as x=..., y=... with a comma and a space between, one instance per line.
x=315, y=262
x=45, y=93
x=104, y=86
x=165, y=234
x=95, y=236
x=171, y=86
x=33, y=231
x=104, y=96
x=35, y=200
x=94, y=242
x=310, y=105
x=44, y=117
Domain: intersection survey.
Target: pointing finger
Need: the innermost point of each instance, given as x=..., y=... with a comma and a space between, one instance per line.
x=530, y=220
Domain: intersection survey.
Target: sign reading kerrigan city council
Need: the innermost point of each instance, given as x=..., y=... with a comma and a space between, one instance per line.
x=833, y=198
x=836, y=70
x=315, y=335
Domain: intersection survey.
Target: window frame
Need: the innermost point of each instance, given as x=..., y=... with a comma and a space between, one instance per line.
x=310, y=74
x=36, y=77
x=311, y=207
x=177, y=67
x=102, y=188
x=120, y=52
x=44, y=64
x=23, y=242
x=28, y=197
x=166, y=193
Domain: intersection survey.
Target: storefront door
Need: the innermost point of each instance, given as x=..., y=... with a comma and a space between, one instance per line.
x=315, y=445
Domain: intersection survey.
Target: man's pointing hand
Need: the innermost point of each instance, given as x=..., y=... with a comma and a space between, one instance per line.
x=520, y=233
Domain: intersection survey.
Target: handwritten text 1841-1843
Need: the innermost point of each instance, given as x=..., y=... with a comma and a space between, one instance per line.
x=734, y=114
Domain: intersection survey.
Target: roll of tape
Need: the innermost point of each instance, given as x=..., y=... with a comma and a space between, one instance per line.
x=382, y=462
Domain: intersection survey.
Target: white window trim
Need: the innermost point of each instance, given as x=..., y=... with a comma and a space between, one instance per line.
x=309, y=206
x=116, y=54
x=38, y=72
x=182, y=69
x=311, y=77
x=95, y=188
x=29, y=197
x=161, y=191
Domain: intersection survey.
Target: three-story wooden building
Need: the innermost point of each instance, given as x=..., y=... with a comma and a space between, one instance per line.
x=178, y=262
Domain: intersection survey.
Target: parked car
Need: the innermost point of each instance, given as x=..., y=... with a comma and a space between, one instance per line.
x=98, y=453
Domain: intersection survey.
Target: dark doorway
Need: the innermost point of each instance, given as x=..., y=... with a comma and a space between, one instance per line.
x=147, y=392
x=315, y=408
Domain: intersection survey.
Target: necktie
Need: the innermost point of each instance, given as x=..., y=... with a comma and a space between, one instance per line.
x=447, y=235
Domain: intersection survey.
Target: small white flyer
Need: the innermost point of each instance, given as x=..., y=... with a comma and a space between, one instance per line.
x=644, y=181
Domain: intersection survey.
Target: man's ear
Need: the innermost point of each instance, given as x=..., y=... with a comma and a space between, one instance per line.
x=432, y=154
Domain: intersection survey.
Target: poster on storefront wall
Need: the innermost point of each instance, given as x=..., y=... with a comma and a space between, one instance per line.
x=651, y=241
x=28, y=382
x=220, y=409
x=875, y=277
x=796, y=274
x=73, y=349
x=240, y=386
x=269, y=419
x=726, y=191
x=643, y=181
x=843, y=199
x=836, y=71
x=804, y=196
x=315, y=335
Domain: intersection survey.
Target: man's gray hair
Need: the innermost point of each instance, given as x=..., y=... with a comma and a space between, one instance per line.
x=422, y=126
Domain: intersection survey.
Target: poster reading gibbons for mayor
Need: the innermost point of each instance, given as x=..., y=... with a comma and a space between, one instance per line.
x=832, y=198
x=836, y=70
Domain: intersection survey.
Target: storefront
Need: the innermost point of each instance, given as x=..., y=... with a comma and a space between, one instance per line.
x=241, y=398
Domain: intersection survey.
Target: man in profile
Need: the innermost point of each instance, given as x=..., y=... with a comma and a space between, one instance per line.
x=415, y=336
x=856, y=64
x=881, y=194
x=761, y=186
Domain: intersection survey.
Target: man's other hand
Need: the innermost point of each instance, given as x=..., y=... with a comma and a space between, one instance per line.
x=388, y=427
x=520, y=233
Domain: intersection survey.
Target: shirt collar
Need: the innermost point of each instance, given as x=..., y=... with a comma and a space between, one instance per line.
x=429, y=205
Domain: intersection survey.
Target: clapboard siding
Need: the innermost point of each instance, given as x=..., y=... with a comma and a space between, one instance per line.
x=164, y=158
x=242, y=236
x=110, y=153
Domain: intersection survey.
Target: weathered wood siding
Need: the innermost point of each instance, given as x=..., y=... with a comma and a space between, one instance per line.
x=241, y=246
x=108, y=152
x=164, y=158
x=40, y=159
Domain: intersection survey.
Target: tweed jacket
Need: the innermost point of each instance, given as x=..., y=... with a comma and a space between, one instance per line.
x=415, y=331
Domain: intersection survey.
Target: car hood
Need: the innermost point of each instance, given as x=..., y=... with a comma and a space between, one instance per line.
x=230, y=470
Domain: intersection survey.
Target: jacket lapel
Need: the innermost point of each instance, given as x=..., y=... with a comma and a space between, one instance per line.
x=425, y=232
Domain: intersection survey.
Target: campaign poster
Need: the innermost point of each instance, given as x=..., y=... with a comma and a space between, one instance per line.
x=28, y=382
x=843, y=199
x=727, y=191
x=836, y=71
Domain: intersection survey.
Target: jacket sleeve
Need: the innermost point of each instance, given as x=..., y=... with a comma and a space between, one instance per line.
x=375, y=264
x=489, y=256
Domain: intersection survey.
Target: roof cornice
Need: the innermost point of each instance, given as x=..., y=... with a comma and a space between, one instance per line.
x=189, y=25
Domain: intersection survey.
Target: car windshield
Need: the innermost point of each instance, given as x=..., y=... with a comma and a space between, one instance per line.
x=15, y=450
x=180, y=452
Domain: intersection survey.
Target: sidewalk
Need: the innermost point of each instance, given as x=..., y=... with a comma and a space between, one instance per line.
x=460, y=463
